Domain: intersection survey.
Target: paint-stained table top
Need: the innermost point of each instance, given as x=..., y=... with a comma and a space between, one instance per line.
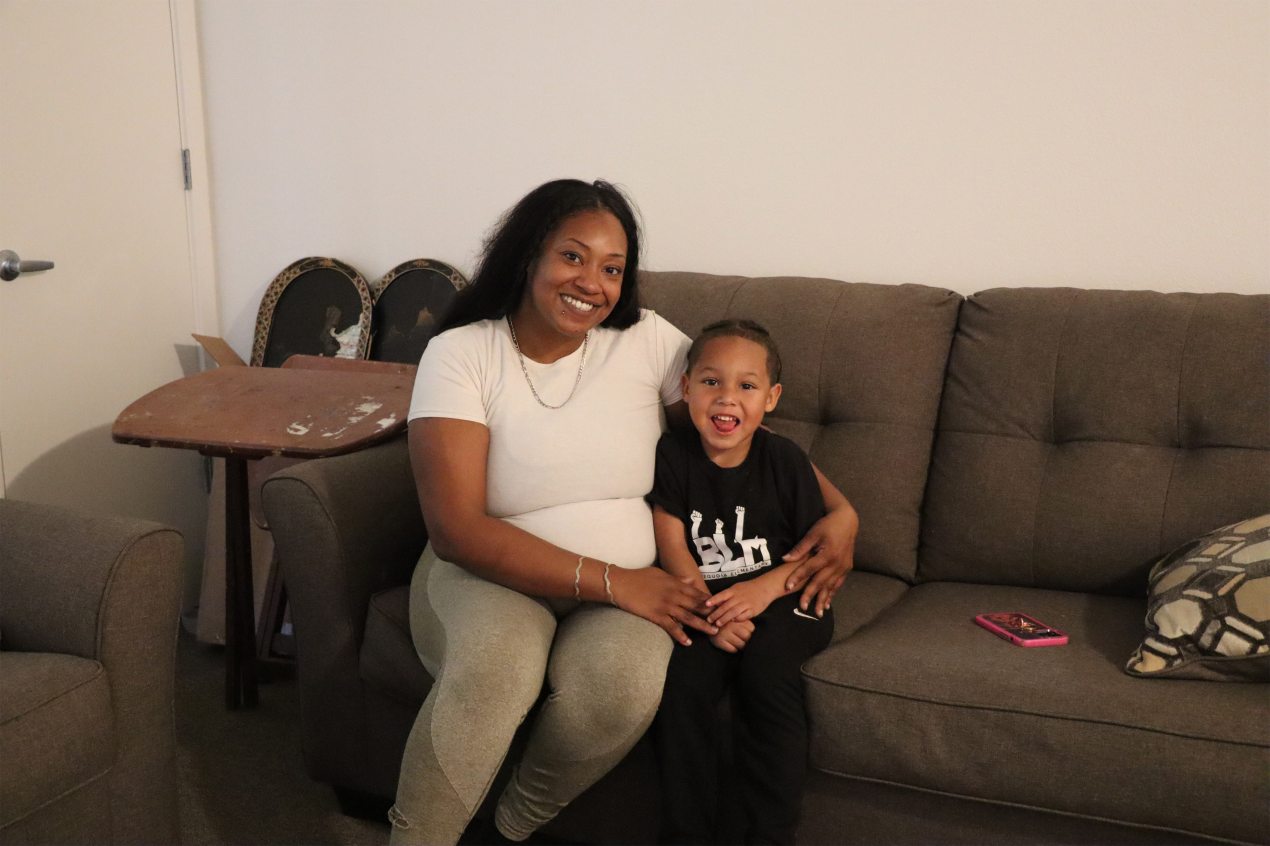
x=309, y=407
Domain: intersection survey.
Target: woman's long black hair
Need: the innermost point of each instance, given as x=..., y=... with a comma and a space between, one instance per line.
x=517, y=241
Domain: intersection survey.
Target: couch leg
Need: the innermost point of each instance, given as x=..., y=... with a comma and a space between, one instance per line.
x=363, y=806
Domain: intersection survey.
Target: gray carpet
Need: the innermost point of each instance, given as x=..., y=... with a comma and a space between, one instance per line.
x=242, y=772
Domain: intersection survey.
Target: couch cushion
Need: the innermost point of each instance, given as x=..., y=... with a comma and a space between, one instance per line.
x=389, y=662
x=863, y=369
x=923, y=697
x=862, y=597
x=56, y=728
x=1083, y=434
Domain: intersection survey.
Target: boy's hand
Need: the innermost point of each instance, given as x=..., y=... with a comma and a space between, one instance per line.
x=742, y=601
x=733, y=636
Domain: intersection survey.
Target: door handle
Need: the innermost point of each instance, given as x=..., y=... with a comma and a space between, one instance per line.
x=11, y=267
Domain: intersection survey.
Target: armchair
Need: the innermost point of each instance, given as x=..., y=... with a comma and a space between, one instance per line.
x=88, y=623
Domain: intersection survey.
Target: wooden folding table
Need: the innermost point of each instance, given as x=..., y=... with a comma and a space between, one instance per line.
x=310, y=407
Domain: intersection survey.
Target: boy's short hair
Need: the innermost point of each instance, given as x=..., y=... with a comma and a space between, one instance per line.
x=738, y=328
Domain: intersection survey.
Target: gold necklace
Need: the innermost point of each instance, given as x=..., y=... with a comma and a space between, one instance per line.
x=519, y=355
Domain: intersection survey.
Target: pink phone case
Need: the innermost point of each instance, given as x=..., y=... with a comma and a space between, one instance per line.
x=1020, y=629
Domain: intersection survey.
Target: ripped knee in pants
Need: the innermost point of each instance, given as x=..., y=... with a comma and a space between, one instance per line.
x=397, y=818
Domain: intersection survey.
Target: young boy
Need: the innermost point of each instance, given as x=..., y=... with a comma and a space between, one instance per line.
x=728, y=501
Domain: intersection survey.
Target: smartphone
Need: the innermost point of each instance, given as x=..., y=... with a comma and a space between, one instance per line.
x=1020, y=629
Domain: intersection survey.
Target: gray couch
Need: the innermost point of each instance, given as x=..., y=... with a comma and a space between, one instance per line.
x=1018, y=450
x=89, y=608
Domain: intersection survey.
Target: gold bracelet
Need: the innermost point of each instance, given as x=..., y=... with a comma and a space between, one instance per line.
x=608, y=588
x=577, y=580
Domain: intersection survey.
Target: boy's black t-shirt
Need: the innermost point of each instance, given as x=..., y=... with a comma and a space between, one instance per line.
x=738, y=521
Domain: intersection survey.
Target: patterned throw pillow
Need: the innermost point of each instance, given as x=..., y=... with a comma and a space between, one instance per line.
x=1208, y=611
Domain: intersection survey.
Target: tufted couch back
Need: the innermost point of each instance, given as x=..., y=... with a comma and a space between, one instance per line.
x=1084, y=433
x=863, y=369
x=1077, y=435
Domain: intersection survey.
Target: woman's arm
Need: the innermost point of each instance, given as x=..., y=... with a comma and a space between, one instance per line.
x=448, y=458
x=677, y=416
x=827, y=552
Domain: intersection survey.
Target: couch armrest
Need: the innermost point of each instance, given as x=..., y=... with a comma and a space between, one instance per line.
x=345, y=528
x=109, y=589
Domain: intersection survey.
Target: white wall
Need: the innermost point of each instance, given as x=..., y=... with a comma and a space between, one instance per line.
x=961, y=143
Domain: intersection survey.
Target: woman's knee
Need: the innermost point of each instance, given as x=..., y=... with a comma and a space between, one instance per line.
x=603, y=717
x=610, y=690
x=491, y=642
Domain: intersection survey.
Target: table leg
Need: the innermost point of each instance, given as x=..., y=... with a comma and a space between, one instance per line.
x=240, y=626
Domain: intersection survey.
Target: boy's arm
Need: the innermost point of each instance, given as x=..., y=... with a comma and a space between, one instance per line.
x=678, y=560
x=746, y=600
x=672, y=549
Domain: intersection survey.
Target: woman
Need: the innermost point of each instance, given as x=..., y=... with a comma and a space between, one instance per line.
x=534, y=420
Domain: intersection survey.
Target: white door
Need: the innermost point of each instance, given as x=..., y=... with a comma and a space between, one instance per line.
x=91, y=178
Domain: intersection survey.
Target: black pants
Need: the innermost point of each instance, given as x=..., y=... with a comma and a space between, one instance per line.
x=770, y=727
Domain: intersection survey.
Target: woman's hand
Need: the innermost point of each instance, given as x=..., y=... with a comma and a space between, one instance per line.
x=733, y=636
x=657, y=596
x=743, y=601
x=824, y=558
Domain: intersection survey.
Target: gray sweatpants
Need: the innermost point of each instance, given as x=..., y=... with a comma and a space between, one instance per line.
x=490, y=649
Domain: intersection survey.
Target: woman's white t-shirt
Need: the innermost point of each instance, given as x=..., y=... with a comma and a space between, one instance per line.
x=575, y=476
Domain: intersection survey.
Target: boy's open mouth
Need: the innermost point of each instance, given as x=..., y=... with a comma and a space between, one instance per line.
x=725, y=423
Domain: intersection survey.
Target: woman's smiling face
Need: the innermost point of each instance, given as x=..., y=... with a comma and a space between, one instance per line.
x=576, y=281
